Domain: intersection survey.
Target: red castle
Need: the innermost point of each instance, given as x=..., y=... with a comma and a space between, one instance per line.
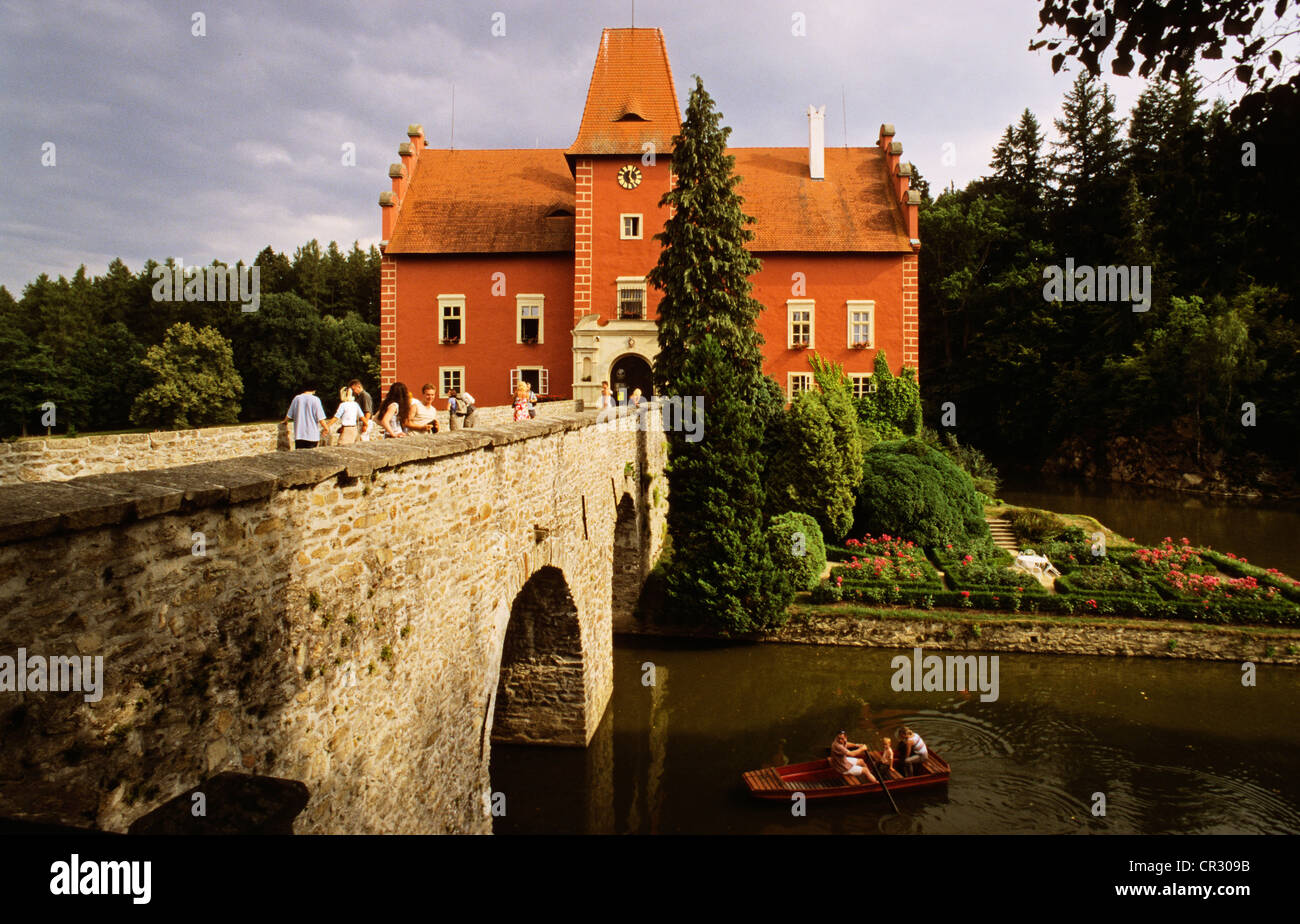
x=527, y=263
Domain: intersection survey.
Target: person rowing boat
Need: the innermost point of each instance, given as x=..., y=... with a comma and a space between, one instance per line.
x=845, y=757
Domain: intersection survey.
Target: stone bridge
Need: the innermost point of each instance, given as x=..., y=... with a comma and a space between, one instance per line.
x=363, y=620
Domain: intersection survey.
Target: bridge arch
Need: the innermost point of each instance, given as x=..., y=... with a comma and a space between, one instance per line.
x=540, y=692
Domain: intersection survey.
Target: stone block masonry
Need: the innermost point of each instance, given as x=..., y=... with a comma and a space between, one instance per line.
x=356, y=619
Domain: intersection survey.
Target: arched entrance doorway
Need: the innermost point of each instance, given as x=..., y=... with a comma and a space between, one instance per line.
x=629, y=372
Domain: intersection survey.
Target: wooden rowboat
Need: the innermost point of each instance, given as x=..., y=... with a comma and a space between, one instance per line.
x=816, y=780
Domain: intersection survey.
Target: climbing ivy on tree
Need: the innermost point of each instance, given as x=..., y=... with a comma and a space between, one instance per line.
x=814, y=453
x=709, y=346
x=893, y=410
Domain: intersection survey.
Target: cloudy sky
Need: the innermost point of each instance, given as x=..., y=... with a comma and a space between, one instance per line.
x=213, y=146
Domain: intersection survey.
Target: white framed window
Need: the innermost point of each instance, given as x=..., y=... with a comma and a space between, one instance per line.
x=797, y=382
x=450, y=377
x=536, y=376
x=862, y=323
x=861, y=384
x=631, y=298
x=451, y=319
x=530, y=315
x=800, y=316
x=629, y=227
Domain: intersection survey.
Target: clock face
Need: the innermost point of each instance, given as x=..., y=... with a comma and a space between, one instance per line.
x=629, y=176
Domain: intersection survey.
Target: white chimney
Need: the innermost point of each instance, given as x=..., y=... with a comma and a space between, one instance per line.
x=817, y=142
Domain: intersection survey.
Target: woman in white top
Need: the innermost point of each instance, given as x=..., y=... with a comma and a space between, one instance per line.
x=606, y=399
x=349, y=416
x=914, y=750
x=396, y=411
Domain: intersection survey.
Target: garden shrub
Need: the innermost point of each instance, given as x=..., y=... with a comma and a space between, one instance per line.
x=795, y=541
x=914, y=491
x=1105, y=577
x=826, y=592
x=1034, y=526
x=805, y=463
x=984, y=566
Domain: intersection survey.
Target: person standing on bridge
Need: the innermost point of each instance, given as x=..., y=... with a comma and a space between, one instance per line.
x=455, y=415
x=424, y=414
x=367, y=407
x=521, y=401
x=306, y=416
x=466, y=402
x=349, y=417
x=396, y=412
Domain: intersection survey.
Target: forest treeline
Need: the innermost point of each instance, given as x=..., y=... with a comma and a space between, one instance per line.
x=98, y=348
x=1204, y=196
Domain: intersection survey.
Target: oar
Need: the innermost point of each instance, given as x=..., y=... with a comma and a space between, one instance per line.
x=880, y=778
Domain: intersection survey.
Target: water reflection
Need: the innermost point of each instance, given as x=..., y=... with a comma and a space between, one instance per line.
x=1174, y=746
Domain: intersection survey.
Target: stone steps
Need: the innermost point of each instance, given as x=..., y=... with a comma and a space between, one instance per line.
x=1003, y=536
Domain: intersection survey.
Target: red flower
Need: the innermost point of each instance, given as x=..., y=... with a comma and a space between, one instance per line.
x=965, y=593
x=1093, y=604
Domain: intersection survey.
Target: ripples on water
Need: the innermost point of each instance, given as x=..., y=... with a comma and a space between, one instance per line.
x=1174, y=746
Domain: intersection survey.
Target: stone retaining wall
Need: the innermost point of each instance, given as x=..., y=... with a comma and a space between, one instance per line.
x=1217, y=643
x=335, y=616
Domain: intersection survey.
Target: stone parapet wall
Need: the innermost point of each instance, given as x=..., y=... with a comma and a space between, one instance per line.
x=33, y=459
x=334, y=616
x=37, y=459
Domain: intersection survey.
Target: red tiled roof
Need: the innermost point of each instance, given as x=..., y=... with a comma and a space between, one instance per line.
x=498, y=202
x=853, y=209
x=631, y=99
x=486, y=202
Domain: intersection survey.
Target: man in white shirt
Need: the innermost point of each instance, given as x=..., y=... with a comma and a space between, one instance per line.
x=307, y=415
x=424, y=415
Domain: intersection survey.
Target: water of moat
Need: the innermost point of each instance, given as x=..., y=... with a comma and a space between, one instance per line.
x=1264, y=531
x=1176, y=746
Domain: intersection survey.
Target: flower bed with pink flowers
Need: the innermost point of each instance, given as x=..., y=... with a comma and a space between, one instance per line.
x=1170, y=556
x=886, y=561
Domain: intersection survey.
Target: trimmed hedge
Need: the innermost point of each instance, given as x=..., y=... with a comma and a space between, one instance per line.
x=1229, y=612
x=838, y=552
x=1238, y=568
x=990, y=570
x=1078, y=580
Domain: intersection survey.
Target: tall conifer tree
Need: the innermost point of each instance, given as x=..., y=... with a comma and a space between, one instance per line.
x=709, y=346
